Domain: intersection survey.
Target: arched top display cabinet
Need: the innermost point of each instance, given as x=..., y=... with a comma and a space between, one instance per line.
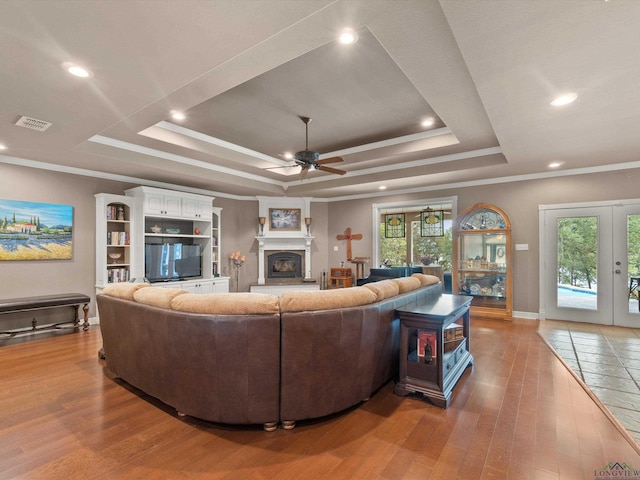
x=482, y=260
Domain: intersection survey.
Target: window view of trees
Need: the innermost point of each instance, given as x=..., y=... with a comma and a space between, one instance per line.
x=633, y=233
x=578, y=246
x=414, y=249
x=577, y=251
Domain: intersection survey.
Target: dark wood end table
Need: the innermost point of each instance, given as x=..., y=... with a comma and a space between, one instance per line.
x=435, y=347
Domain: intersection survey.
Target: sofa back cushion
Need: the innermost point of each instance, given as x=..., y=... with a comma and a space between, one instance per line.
x=383, y=289
x=226, y=303
x=426, y=279
x=157, y=297
x=407, y=284
x=300, y=301
x=124, y=290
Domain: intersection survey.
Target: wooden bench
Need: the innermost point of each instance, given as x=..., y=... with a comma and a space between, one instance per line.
x=14, y=305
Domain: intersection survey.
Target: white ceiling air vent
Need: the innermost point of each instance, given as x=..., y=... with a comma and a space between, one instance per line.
x=33, y=123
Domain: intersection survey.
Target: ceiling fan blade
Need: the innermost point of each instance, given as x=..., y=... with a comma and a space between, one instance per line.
x=330, y=160
x=304, y=171
x=331, y=170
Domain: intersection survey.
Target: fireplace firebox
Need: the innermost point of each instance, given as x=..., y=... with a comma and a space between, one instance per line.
x=284, y=265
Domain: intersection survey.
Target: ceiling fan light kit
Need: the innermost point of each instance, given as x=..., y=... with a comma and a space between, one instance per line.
x=308, y=159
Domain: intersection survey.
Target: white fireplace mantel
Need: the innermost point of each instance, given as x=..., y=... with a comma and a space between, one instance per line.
x=282, y=239
x=280, y=243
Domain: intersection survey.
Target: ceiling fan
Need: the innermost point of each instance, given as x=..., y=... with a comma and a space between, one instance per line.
x=308, y=159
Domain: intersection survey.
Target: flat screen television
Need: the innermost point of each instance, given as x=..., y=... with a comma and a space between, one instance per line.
x=166, y=262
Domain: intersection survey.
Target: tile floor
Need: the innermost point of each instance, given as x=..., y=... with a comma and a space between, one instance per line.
x=607, y=359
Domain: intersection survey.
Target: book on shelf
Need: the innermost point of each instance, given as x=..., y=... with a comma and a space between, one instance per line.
x=115, y=212
x=427, y=345
x=453, y=332
x=117, y=275
x=118, y=238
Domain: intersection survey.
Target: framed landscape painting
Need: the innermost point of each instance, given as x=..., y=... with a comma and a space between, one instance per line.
x=284, y=219
x=35, y=231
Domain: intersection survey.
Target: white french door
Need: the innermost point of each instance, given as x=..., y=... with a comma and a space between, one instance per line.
x=589, y=256
x=626, y=265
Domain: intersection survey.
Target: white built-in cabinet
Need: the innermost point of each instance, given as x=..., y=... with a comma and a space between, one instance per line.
x=114, y=255
x=170, y=216
x=157, y=216
x=216, y=213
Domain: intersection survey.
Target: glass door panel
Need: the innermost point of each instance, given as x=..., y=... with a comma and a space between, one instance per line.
x=578, y=281
x=626, y=268
x=577, y=268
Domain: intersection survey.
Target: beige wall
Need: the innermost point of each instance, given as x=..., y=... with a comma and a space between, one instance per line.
x=28, y=278
x=519, y=199
x=240, y=226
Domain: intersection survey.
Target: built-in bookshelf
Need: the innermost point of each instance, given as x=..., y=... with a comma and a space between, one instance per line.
x=215, y=241
x=114, y=255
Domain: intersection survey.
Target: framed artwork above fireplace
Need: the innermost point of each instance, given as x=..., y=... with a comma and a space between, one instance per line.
x=284, y=219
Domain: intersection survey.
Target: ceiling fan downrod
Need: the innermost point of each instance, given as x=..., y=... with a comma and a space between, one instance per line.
x=306, y=121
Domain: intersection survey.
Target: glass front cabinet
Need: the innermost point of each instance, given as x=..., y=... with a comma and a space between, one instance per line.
x=482, y=263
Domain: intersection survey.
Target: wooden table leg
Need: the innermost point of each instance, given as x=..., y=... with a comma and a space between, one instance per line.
x=76, y=320
x=85, y=326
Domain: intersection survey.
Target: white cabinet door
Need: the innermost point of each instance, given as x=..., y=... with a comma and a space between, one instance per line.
x=188, y=287
x=172, y=206
x=154, y=204
x=198, y=286
x=220, y=285
x=194, y=208
x=205, y=209
x=204, y=286
x=162, y=205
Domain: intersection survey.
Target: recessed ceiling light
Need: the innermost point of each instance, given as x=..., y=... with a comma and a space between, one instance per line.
x=76, y=70
x=382, y=187
x=178, y=115
x=428, y=122
x=564, y=99
x=287, y=155
x=3, y=147
x=555, y=164
x=348, y=37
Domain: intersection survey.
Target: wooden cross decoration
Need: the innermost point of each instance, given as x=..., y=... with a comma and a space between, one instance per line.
x=348, y=236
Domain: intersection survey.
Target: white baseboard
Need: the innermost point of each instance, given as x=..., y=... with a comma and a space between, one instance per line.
x=526, y=315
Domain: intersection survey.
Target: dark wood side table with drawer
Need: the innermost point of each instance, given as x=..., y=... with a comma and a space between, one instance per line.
x=435, y=346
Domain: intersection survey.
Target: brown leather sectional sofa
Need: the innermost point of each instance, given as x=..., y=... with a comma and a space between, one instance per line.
x=257, y=359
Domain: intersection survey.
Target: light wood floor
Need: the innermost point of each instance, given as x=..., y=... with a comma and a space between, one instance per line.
x=519, y=414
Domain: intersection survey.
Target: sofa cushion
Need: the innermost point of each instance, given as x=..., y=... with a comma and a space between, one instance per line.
x=407, y=284
x=300, y=301
x=383, y=289
x=124, y=290
x=426, y=279
x=157, y=297
x=226, y=303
